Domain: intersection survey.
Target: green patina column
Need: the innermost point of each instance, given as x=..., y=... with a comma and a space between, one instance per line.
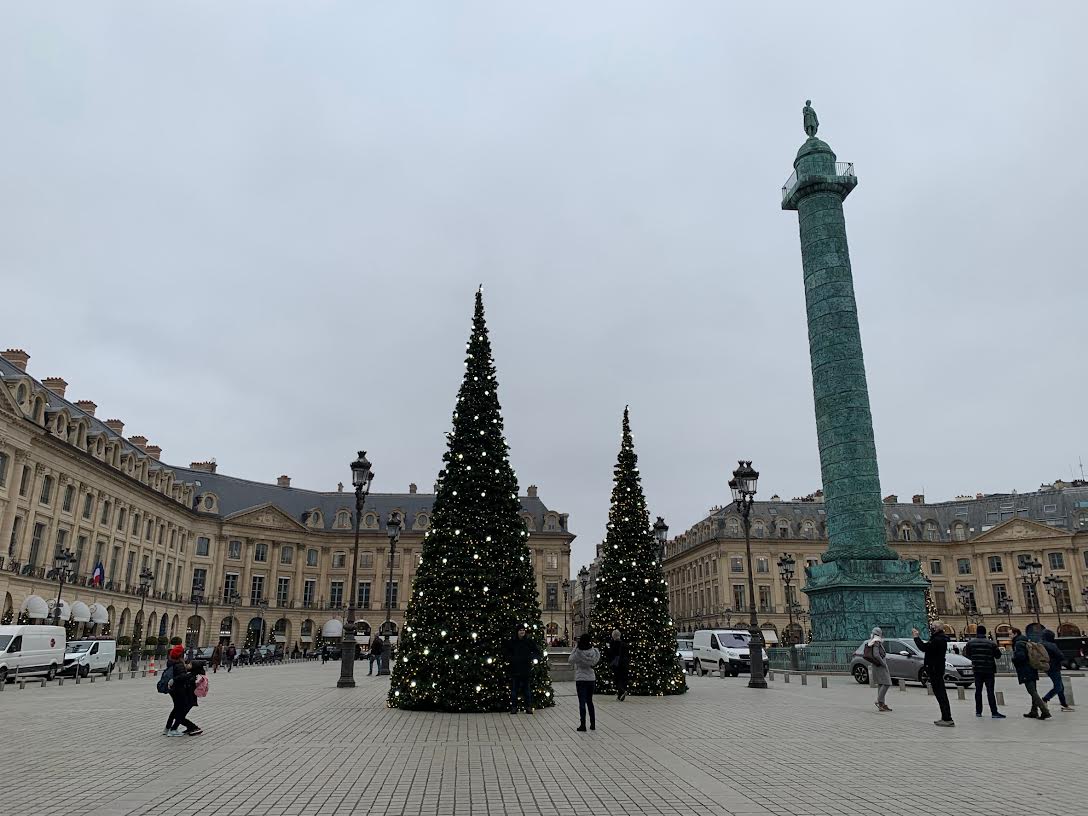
x=861, y=583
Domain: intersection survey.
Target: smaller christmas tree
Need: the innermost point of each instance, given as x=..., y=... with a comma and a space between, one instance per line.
x=632, y=595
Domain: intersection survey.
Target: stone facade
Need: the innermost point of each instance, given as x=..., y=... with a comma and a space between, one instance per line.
x=69, y=480
x=974, y=542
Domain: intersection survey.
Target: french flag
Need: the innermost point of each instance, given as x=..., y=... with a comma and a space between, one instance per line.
x=99, y=574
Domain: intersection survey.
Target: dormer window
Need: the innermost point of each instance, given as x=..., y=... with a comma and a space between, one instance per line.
x=343, y=519
x=315, y=519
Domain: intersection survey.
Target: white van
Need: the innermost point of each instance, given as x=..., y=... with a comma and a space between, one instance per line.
x=725, y=650
x=86, y=656
x=31, y=650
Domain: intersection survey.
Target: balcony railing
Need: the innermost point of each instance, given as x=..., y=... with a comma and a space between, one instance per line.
x=842, y=170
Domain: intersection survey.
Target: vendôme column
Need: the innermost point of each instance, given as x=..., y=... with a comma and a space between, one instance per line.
x=862, y=582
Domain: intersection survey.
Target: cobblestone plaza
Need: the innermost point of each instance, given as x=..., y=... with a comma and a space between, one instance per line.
x=281, y=740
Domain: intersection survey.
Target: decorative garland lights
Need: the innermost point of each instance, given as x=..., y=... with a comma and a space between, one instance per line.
x=475, y=581
x=632, y=595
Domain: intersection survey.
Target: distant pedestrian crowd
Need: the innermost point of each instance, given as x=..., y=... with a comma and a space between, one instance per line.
x=1033, y=656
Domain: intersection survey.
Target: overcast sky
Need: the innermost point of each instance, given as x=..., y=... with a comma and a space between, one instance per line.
x=253, y=231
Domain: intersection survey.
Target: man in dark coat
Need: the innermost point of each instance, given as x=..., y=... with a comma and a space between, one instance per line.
x=936, y=652
x=522, y=652
x=984, y=654
x=619, y=658
x=376, y=646
x=1028, y=676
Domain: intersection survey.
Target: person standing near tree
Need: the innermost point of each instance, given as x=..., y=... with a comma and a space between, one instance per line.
x=584, y=657
x=619, y=658
x=376, y=646
x=984, y=654
x=936, y=653
x=522, y=652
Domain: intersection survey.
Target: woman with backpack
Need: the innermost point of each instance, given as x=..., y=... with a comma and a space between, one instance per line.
x=188, y=684
x=1029, y=662
x=876, y=656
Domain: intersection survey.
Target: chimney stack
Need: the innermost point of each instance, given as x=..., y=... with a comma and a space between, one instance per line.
x=17, y=357
x=57, y=385
x=891, y=499
x=115, y=425
x=412, y=488
x=154, y=451
x=919, y=498
x=531, y=491
x=284, y=481
x=139, y=441
x=86, y=406
x=206, y=467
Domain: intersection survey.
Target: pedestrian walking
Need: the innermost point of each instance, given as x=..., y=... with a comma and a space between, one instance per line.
x=584, y=657
x=1029, y=657
x=877, y=657
x=619, y=658
x=217, y=657
x=232, y=655
x=984, y=654
x=186, y=686
x=173, y=661
x=1055, y=672
x=522, y=652
x=376, y=646
x=324, y=654
x=936, y=652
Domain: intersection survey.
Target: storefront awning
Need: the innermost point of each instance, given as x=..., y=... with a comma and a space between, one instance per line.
x=333, y=628
x=99, y=614
x=65, y=610
x=81, y=613
x=35, y=607
x=769, y=637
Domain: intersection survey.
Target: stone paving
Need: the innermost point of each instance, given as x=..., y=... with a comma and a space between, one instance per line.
x=282, y=740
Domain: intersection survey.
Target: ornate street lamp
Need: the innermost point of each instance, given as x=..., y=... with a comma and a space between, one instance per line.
x=262, y=604
x=62, y=561
x=786, y=569
x=1031, y=571
x=566, y=610
x=393, y=527
x=1084, y=595
x=232, y=599
x=661, y=533
x=146, y=577
x=743, y=487
x=197, y=599
x=1055, y=588
x=1005, y=607
x=361, y=477
x=966, y=597
x=583, y=579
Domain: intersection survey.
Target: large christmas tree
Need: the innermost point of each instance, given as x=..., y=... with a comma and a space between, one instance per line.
x=631, y=592
x=475, y=582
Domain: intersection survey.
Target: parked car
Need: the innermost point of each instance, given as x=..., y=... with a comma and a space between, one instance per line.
x=1075, y=651
x=86, y=656
x=905, y=662
x=31, y=650
x=685, y=653
x=723, y=649
x=270, y=653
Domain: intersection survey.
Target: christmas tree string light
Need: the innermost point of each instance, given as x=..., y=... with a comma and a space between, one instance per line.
x=475, y=582
x=632, y=595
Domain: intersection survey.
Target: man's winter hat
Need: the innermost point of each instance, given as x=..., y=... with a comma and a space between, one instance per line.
x=177, y=651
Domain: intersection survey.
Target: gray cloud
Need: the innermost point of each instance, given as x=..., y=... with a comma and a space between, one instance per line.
x=253, y=232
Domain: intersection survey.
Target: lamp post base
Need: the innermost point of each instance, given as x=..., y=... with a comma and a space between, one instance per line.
x=347, y=657
x=383, y=662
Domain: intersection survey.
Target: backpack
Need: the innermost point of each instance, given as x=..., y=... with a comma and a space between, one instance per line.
x=202, y=686
x=163, y=686
x=868, y=655
x=1038, y=658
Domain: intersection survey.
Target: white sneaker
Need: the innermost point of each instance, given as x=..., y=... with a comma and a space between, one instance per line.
x=175, y=733
x=166, y=732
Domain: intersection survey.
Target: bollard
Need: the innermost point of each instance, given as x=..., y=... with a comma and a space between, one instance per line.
x=872, y=680
x=143, y=673
x=823, y=682
x=60, y=680
x=1000, y=698
x=770, y=675
x=804, y=679
x=929, y=689
x=77, y=678
x=785, y=677
x=92, y=678
x=22, y=685
x=1069, y=693
x=959, y=693
x=43, y=682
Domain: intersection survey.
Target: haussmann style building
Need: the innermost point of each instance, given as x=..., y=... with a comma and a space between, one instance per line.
x=274, y=560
